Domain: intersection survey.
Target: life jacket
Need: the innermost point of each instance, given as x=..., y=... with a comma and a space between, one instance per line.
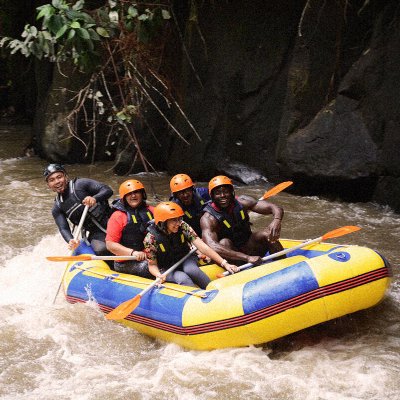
x=170, y=248
x=136, y=227
x=71, y=205
x=192, y=213
x=234, y=225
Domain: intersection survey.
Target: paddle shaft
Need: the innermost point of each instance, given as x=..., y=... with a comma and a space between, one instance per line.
x=165, y=274
x=279, y=253
x=344, y=230
x=75, y=236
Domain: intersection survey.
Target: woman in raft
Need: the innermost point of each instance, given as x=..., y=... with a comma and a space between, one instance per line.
x=169, y=239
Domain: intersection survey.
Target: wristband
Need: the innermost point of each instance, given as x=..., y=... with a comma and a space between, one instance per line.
x=280, y=219
x=224, y=262
x=132, y=252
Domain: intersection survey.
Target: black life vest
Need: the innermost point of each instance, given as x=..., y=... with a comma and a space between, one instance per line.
x=136, y=227
x=234, y=225
x=170, y=248
x=193, y=212
x=72, y=207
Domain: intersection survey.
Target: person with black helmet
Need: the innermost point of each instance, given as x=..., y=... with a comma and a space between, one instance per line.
x=169, y=239
x=126, y=228
x=72, y=197
x=226, y=225
x=192, y=199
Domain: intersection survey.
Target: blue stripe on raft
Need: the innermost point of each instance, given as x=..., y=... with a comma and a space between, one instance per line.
x=278, y=287
x=106, y=292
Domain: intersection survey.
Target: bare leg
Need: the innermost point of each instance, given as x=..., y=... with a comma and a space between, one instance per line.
x=258, y=244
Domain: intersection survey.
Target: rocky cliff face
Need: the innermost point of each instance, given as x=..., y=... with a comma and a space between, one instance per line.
x=307, y=90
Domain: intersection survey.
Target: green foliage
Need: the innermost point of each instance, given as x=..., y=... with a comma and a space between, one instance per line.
x=121, y=45
x=69, y=32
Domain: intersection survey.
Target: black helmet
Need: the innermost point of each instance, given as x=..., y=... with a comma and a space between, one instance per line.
x=51, y=168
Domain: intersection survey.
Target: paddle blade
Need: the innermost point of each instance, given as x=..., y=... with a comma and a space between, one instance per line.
x=124, y=309
x=344, y=230
x=82, y=257
x=276, y=189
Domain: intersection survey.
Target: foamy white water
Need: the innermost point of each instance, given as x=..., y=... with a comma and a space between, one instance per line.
x=65, y=351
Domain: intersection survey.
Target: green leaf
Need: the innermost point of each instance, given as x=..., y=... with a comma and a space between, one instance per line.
x=93, y=34
x=45, y=11
x=71, y=34
x=33, y=31
x=75, y=25
x=57, y=3
x=73, y=15
x=133, y=12
x=102, y=32
x=55, y=23
x=83, y=33
x=46, y=35
x=78, y=5
x=61, y=31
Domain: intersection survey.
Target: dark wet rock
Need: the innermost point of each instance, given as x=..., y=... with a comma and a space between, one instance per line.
x=242, y=173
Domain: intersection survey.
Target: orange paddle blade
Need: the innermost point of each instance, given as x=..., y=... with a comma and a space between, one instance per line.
x=344, y=230
x=124, y=309
x=276, y=189
x=82, y=257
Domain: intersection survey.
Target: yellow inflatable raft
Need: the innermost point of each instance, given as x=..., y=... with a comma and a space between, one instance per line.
x=314, y=284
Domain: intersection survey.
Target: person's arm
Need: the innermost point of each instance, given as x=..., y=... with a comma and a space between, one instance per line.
x=92, y=191
x=209, y=226
x=115, y=226
x=265, y=208
x=208, y=251
x=64, y=228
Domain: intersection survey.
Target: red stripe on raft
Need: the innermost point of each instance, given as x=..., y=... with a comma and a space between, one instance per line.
x=234, y=322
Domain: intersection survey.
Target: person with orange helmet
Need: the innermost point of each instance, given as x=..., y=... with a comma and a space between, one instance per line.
x=226, y=225
x=192, y=199
x=126, y=228
x=169, y=239
x=72, y=195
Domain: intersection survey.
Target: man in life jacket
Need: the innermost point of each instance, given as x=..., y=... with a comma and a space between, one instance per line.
x=169, y=240
x=191, y=199
x=226, y=226
x=72, y=197
x=126, y=228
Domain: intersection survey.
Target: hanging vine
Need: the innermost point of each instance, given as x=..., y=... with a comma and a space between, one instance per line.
x=121, y=46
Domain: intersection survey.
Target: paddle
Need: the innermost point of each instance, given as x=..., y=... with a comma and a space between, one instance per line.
x=331, y=234
x=88, y=257
x=76, y=236
x=125, y=308
x=275, y=190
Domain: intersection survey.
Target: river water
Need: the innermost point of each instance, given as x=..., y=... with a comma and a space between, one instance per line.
x=64, y=351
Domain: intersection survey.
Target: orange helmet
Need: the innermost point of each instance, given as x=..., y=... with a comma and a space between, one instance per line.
x=129, y=186
x=219, y=181
x=167, y=210
x=180, y=182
